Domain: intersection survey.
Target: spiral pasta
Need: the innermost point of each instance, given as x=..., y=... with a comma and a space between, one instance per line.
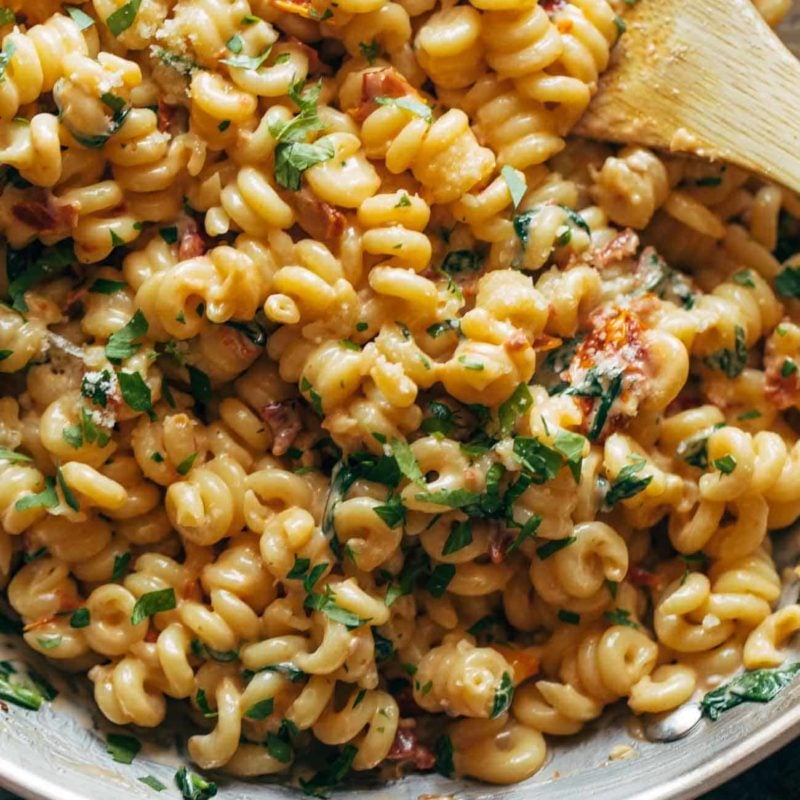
x=352, y=403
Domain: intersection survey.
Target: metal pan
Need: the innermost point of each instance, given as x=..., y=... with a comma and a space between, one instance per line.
x=58, y=753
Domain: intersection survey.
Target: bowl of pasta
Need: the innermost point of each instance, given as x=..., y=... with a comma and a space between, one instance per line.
x=364, y=432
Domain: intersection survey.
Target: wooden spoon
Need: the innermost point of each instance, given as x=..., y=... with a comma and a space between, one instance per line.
x=707, y=77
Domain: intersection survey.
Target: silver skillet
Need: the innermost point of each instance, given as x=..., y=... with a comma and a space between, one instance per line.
x=59, y=753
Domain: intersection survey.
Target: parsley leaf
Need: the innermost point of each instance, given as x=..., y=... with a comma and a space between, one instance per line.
x=169, y=235
x=787, y=282
x=606, y=386
x=153, y=603
x=121, y=562
x=199, y=385
x=392, y=512
x=415, y=107
x=292, y=160
x=136, y=392
x=33, y=264
x=9, y=48
x=503, y=696
x=440, y=578
x=244, y=62
x=626, y=484
x=123, y=749
x=384, y=648
x=513, y=408
x=10, y=455
x=443, y=750
x=47, y=498
x=571, y=446
x=313, y=395
x=620, y=616
x=540, y=460
x=726, y=464
x=457, y=261
x=187, y=463
x=299, y=568
x=153, y=782
x=279, y=748
x=260, y=710
x=406, y=462
x=326, y=603
x=526, y=531
x=459, y=537
x=452, y=498
x=20, y=690
x=105, y=286
x=331, y=775
x=758, y=686
x=121, y=19
x=731, y=362
x=79, y=17
x=121, y=344
x=370, y=51
x=80, y=618
x=744, y=277
x=552, y=546
x=192, y=786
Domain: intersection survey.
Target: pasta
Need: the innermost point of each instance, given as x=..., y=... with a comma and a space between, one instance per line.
x=351, y=401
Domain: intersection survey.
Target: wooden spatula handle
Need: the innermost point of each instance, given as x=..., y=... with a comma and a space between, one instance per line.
x=706, y=77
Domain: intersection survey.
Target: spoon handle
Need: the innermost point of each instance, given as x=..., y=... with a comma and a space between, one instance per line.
x=707, y=77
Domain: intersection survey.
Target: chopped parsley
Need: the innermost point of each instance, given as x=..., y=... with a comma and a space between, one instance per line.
x=260, y=710
x=199, y=385
x=440, y=578
x=392, y=512
x=80, y=618
x=731, y=362
x=293, y=154
x=512, y=409
x=459, y=537
x=415, y=107
x=153, y=603
x=758, y=686
x=136, y=392
x=787, y=282
x=326, y=603
x=33, y=264
x=371, y=51
x=726, y=464
x=406, y=461
x=606, y=386
x=106, y=286
x=744, y=277
x=79, y=17
x=552, y=546
x=122, y=343
x=503, y=696
x=192, y=786
x=153, y=782
x=626, y=484
x=123, y=749
x=620, y=616
x=47, y=498
x=121, y=19
x=333, y=774
x=186, y=464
